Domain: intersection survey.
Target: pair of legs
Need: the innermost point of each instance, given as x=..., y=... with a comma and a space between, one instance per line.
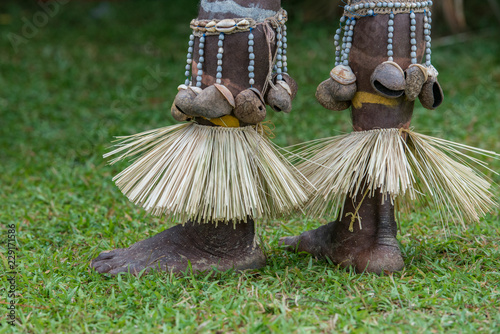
x=371, y=246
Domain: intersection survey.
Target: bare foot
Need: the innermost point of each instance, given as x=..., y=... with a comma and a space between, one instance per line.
x=373, y=248
x=203, y=245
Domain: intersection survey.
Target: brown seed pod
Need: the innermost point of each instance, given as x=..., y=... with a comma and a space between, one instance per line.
x=177, y=115
x=250, y=106
x=211, y=103
x=431, y=96
x=226, y=93
x=285, y=85
x=416, y=75
x=184, y=101
x=292, y=84
x=325, y=97
x=342, y=92
x=279, y=99
x=388, y=79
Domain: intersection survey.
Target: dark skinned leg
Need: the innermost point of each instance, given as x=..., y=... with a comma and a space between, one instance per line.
x=224, y=247
x=204, y=245
x=373, y=248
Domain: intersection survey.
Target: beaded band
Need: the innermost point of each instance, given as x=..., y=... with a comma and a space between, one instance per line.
x=251, y=59
x=427, y=37
x=220, y=52
x=363, y=8
x=390, y=35
x=189, y=60
x=204, y=28
x=201, y=60
x=370, y=8
x=231, y=26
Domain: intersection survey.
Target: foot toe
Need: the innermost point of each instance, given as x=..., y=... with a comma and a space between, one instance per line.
x=291, y=243
x=107, y=261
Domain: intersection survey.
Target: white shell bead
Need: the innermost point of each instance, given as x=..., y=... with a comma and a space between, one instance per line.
x=226, y=30
x=226, y=25
x=243, y=24
x=211, y=26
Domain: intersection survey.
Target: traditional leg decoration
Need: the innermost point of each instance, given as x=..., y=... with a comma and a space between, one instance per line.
x=371, y=245
x=219, y=171
x=360, y=176
x=337, y=92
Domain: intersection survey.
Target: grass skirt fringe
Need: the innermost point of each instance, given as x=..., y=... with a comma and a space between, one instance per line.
x=208, y=174
x=382, y=161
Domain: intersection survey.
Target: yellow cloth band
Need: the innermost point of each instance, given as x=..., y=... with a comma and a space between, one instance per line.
x=364, y=97
x=227, y=121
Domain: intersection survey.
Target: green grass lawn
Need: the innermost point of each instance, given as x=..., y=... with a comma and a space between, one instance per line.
x=79, y=80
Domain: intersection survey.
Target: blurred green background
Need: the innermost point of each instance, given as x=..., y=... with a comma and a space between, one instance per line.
x=71, y=81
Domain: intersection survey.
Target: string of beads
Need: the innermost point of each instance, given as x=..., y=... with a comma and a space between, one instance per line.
x=204, y=28
x=344, y=34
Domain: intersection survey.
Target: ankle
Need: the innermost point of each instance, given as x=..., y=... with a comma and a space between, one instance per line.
x=223, y=238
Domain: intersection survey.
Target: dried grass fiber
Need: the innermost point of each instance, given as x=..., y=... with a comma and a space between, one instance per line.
x=434, y=170
x=208, y=174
